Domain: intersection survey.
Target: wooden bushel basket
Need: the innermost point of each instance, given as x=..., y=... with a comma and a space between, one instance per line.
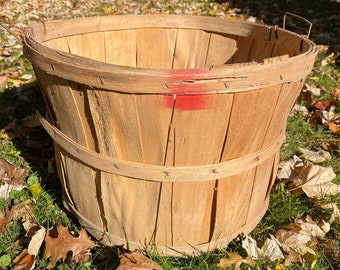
x=167, y=128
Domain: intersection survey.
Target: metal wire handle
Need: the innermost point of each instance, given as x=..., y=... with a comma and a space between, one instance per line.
x=299, y=17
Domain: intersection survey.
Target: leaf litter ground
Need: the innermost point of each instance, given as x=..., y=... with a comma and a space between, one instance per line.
x=306, y=235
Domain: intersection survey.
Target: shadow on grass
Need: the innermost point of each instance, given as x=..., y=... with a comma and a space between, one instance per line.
x=17, y=120
x=324, y=15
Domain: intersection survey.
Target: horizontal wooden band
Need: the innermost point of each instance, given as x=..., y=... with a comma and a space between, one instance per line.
x=160, y=173
x=110, y=239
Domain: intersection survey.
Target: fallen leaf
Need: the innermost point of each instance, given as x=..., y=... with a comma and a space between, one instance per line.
x=316, y=181
x=294, y=241
x=299, y=109
x=329, y=60
x=250, y=245
x=36, y=241
x=235, y=259
x=3, y=81
x=294, y=258
x=337, y=93
x=24, y=261
x=58, y=247
x=334, y=128
x=286, y=168
x=137, y=261
x=11, y=173
x=324, y=105
x=309, y=227
x=5, y=189
x=271, y=249
x=314, y=156
x=316, y=91
x=20, y=211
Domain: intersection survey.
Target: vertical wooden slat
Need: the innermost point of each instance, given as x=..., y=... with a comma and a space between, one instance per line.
x=198, y=139
x=260, y=50
x=155, y=48
x=249, y=120
x=120, y=47
x=63, y=99
x=88, y=45
x=191, y=49
x=263, y=181
x=243, y=47
x=154, y=121
x=117, y=128
x=221, y=50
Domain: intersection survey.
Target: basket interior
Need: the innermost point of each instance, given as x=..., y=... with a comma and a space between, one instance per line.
x=174, y=48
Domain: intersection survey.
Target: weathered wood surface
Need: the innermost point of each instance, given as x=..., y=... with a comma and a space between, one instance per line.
x=167, y=128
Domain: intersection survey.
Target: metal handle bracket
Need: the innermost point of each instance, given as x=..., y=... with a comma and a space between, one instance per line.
x=299, y=17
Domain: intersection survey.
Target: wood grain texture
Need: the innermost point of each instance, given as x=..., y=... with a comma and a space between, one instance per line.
x=167, y=128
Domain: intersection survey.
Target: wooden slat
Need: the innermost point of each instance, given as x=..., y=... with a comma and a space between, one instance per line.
x=57, y=44
x=154, y=120
x=243, y=48
x=155, y=48
x=89, y=45
x=249, y=120
x=191, y=49
x=221, y=50
x=198, y=139
x=62, y=97
x=117, y=129
x=263, y=180
x=120, y=47
x=260, y=50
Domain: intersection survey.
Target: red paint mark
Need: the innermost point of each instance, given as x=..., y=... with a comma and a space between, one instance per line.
x=184, y=93
x=186, y=102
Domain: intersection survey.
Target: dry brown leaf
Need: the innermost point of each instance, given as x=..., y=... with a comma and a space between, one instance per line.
x=235, y=259
x=10, y=173
x=36, y=241
x=250, y=245
x=271, y=249
x=3, y=81
x=309, y=227
x=24, y=261
x=337, y=92
x=314, y=156
x=316, y=181
x=20, y=211
x=137, y=261
x=58, y=247
x=3, y=222
x=294, y=258
x=6, y=188
x=334, y=128
x=293, y=241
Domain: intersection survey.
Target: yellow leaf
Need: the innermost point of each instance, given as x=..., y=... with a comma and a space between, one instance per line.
x=334, y=128
x=235, y=259
x=35, y=189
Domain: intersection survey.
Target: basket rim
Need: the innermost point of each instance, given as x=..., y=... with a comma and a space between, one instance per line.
x=227, y=78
